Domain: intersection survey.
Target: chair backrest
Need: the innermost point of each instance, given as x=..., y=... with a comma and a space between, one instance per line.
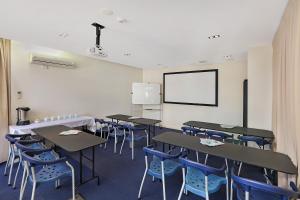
x=247, y=185
x=161, y=155
x=23, y=145
x=12, y=138
x=218, y=134
x=258, y=140
x=191, y=130
x=205, y=169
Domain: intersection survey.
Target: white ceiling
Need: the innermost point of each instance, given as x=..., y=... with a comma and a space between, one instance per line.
x=166, y=32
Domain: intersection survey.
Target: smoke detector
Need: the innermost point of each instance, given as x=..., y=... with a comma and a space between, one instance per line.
x=97, y=50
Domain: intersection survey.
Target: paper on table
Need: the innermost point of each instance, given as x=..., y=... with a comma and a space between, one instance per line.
x=70, y=132
x=210, y=142
x=134, y=117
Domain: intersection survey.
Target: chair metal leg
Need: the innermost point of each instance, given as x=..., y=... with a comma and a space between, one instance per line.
x=123, y=142
x=115, y=145
x=231, y=190
x=206, y=188
x=240, y=168
x=106, y=139
x=73, y=180
x=7, y=162
x=144, y=177
x=147, y=135
x=183, y=184
x=163, y=179
x=247, y=196
x=22, y=188
x=17, y=172
x=33, y=190
x=206, y=158
x=12, y=162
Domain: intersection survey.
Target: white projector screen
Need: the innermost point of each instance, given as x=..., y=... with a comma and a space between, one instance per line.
x=192, y=87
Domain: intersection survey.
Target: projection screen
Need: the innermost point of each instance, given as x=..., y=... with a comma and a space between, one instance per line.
x=191, y=87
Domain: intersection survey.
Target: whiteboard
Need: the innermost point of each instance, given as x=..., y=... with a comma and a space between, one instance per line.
x=145, y=93
x=192, y=87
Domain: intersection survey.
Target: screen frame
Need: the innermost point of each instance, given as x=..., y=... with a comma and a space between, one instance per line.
x=196, y=71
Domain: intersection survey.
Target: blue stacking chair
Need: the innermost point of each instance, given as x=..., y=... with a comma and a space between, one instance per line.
x=134, y=134
x=50, y=171
x=32, y=145
x=247, y=189
x=118, y=131
x=187, y=130
x=103, y=128
x=201, y=179
x=261, y=142
x=218, y=135
x=161, y=166
x=13, y=154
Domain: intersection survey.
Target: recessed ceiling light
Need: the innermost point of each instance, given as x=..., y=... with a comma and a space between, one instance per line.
x=214, y=37
x=228, y=57
x=63, y=35
x=127, y=54
x=158, y=64
x=106, y=11
x=121, y=20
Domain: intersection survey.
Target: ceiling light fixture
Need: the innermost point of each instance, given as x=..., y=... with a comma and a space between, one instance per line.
x=127, y=54
x=228, y=57
x=214, y=37
x=121, y=20
x=63, y=35
x=97, y=50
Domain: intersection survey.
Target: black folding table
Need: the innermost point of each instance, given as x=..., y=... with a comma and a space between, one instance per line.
x=253, y=156
x=142, y=121
x=237, y=129
x=73, y=143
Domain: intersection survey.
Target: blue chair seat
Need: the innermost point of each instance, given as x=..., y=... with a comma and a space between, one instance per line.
x=52, y=172
x=170, y=167
x=105, y=129
x=196, y=184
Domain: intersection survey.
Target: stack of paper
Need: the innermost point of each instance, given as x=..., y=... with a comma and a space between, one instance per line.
x=70, y=132
x=210, y=142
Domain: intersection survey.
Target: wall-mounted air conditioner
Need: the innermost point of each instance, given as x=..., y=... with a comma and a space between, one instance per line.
x=51, y=61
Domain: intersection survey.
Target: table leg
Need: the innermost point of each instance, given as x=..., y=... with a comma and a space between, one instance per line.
x=80, y=167
x=149, y=133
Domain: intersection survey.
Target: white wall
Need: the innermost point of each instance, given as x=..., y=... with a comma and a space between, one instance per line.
x=96, y=88
x=260, y=87
x=230, y=109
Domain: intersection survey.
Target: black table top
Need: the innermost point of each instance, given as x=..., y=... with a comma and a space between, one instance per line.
x=127, y=118
x=253, y=156
x=237, y=129
x=70, y=143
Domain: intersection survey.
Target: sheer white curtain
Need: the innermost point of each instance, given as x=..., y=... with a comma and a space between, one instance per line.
x=286, y=86
x=4, y=95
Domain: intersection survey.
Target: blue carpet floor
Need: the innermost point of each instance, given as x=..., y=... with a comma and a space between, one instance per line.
x=120, y=178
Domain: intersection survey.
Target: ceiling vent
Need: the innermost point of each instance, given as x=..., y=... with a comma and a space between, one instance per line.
x=51, y=62
x=97, y=50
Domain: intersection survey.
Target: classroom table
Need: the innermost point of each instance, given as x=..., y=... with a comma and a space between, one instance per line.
x=139, y=120
x=236, y=130
x=73, y=143
x=253, y=156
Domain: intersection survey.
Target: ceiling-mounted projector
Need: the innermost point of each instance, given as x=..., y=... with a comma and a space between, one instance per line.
x=97, y=50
